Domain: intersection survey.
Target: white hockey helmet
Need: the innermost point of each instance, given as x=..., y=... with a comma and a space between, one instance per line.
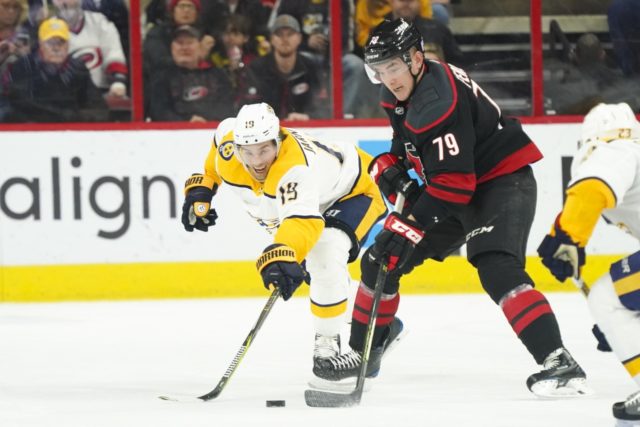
x=223, y=129
x=256, y=123
x=607, y=122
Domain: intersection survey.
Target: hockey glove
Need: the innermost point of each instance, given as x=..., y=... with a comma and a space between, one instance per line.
x=196, y=209
x=390, y=175
x=561, y=255
x=278, y=266
x=397, y=241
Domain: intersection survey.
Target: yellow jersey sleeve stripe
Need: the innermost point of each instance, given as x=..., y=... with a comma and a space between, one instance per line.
x=329, y=310
x=586, y=199
x=633, y=365
x=300, y=233
x=627, y=284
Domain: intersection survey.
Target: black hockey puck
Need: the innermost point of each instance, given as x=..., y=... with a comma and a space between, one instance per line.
x=275, y=403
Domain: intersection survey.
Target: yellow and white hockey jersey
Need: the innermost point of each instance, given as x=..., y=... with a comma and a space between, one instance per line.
x=605, y=180
x=306, y=178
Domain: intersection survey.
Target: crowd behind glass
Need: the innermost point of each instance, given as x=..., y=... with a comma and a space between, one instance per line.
x=68, y=60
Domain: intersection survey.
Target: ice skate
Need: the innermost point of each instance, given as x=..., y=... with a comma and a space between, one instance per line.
x=561, y=377
x=629, y=410
x=326, y=346
x=341, y=372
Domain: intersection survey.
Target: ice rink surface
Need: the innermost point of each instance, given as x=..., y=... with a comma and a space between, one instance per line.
x=105, y=364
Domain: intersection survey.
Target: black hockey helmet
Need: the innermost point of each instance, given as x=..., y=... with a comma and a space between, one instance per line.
x=390, y=39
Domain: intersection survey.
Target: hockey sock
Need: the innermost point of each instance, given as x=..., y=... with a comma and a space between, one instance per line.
x=533, y=321
x=362, y=311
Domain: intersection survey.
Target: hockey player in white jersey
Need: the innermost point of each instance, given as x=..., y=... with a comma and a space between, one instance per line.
x=605, y=180
x=315, y=198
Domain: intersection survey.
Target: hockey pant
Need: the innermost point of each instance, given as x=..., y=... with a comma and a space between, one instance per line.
x=614, y=302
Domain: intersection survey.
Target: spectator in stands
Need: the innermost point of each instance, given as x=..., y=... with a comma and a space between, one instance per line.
x=439, y=43
x=50, y=85
x=191, y=89
x=370, y=13
x=14, y=41
x=233, y=55
x=215, y=14
x=156, y=50
x=284, y=78
x=580, y=76
x=116, y=11
x=95, y=41
x=314, y=16
x=441, y=10
x=624, y=28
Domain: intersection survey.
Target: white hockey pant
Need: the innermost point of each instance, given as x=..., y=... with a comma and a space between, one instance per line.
x=620, y=325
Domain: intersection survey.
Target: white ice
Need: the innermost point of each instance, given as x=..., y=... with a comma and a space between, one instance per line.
x=105, y=364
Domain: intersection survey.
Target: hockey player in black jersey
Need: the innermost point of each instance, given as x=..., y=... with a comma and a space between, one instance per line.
x=476, y=188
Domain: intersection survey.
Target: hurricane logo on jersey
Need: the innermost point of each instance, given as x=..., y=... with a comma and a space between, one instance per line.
x=414, y=158
x=226, y=150
x=90, y=55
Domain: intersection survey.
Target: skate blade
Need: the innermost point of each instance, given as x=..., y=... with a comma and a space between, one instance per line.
x=549, y=389
x=344, y=386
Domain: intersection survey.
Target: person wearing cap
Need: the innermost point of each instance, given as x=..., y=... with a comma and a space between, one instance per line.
x=190, y=89
x=95, y=40
x=284, y=78
x=359, y=100
x=50, y=85
x=156, y=48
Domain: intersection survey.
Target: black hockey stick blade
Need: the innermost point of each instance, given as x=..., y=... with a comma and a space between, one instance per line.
x=327, y=399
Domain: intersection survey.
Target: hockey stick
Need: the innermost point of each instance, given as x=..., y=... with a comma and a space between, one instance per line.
x=327, y=399
x=242, y=351
x=581, y=285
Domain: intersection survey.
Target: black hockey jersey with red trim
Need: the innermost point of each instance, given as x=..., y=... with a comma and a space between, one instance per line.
x=455, y=137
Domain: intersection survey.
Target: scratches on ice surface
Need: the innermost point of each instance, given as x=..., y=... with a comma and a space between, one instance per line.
x=105, y=364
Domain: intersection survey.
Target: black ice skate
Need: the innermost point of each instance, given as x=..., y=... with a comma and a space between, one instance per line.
x=629, y=409
x=347, y=366
x=561, y=377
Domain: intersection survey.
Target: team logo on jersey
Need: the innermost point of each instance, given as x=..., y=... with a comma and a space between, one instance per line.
x=300, y=88
x=414, y=158
x=91, y=56
x=226, y=150
x=195, y=93
x=399, y=111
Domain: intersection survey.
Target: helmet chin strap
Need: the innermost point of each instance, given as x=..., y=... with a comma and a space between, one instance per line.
x=416, y=77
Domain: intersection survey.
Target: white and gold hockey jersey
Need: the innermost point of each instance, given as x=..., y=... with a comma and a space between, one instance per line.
x=306, y=178
x=605, y=177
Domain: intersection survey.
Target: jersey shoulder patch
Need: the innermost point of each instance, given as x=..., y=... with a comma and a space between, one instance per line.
x=434, y=99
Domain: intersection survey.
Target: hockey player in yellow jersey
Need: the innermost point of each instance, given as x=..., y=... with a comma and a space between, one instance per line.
x=605, y=180
x=315, y=198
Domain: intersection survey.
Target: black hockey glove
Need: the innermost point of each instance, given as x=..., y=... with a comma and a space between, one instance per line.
x=390, y=175
x=196, y=209
x=397, y=241
x=561, y=255
x=278, y=266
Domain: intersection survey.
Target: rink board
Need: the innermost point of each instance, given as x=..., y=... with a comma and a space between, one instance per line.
x=96, y=215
